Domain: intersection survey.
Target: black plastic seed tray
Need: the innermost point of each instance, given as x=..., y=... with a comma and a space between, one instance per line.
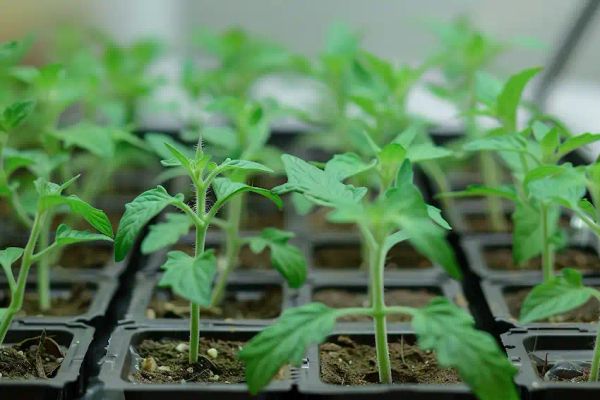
x=435, y=286
x=475, y=248
x=536, y=351
x=69, y=382
x=62, y=283
x=311, y=386
x=494, y=292
x=120, y=363
x=241, y=287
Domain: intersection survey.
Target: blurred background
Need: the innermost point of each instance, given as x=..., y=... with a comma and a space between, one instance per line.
x=397, y=29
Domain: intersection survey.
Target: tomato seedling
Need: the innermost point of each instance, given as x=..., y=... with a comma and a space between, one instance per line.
x=50, y=197
x=245, y=139
x=395, y=214
x=191, y=277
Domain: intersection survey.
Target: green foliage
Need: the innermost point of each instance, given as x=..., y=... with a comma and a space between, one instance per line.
x=168, y=233
x=138, y=213
x=449, y=332
x=286, y=258
x=317, y=185
x=559, y=295
x=190, y=277
x=225, y=189
x=65, y=236
x=15, y=114
x=285, y=342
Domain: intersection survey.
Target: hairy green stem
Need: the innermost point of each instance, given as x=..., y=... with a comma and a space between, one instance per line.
x=17, y=297
x=232, y=247
x=379, y=314
x=489, y=171
x=199, y=249
x=595, y=370
x=547, y=248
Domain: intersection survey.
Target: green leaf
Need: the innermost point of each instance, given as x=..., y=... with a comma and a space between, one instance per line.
x=15, y=114
x=391, y=157
x=341, y=40
x=436, y=215
x=404, y=205
x=95, y=217
x=181, y=159
x=8, y=257
x=505, y=191
x=426, y=152
x=95, y=139
x=514, y=143
x=225, y=188
x=302, y=205
x=66, y=236
x=487, y=88
x=449, y=331
x=137, y=214
x=166, y=233
x=189, y=277
x=550, y=182
x=575, y=142
x=549, y=143
x=556, y=296
x=394, y=239
x=527, y=231
x=285, y=342
x=286, y=258
x=315, y=184
x=509, y=99
x=244, y=165
x=222, y=136
x=17, y=159
x=343, y=166
x=157, y=142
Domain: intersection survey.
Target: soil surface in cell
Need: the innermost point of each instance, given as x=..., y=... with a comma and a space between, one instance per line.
x=347, y=362
x=573, y=257
x=86, y=257
x=589, y=312
x=166, y=361
x=261, y=305
x=34, y=358
x=339, y=298
x=346, y=256
x=75, y=301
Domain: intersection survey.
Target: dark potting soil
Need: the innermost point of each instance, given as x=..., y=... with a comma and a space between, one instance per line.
x=75, y=301
x=347, y=362
x=589, y=312
x=339, y=298
x=35, y=358
x=85, y=257
x=235, y=305
x=166, y=361
x=579, y=258
x=348, y=256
